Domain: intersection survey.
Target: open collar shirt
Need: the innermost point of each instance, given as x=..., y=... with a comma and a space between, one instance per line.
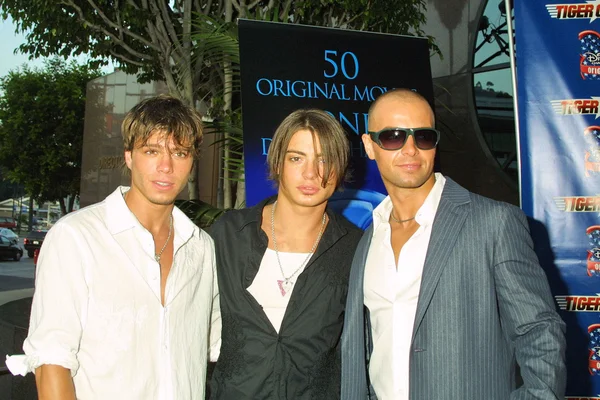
x=300, y=361
x=97, y=306
x=391, y=290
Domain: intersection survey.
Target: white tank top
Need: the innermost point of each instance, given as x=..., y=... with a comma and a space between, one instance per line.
x=267, y=286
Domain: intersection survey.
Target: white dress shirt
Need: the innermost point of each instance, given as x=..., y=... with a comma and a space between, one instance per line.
x=392, y=292
x=97, y=306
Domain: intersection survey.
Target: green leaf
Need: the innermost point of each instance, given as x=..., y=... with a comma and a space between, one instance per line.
x=42, y=113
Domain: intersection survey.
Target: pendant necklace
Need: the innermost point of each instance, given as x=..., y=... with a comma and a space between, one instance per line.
x=157, y=256
x=286, y=284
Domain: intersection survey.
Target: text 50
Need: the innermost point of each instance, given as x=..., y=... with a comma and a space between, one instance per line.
x=347, y=59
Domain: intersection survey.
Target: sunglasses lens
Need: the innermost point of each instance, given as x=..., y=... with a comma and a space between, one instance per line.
x=426, y=139
x=392, y=139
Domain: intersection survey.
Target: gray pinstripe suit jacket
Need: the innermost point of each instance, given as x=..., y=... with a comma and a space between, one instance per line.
x=484, y=306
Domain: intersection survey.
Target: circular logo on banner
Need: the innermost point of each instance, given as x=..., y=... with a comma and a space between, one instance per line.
x=590, y=54
x=593, y=259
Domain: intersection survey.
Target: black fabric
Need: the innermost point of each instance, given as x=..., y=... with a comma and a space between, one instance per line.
x=302, y=361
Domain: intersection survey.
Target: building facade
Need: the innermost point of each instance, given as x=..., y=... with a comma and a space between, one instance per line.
x=108, y=99
x=474, y=95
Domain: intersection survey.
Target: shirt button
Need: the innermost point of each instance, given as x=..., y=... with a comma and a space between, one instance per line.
x=278, y=339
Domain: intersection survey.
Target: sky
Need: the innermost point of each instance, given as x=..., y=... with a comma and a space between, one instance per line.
x=9, y=41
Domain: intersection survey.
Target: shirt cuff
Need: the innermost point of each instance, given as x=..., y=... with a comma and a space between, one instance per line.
x=18, y=365
x=23, y=364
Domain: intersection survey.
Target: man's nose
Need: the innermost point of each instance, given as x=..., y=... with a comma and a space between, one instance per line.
x=165, y=163
x=410, y=147
x=310, y=170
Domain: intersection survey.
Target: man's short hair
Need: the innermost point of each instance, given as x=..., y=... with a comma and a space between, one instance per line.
x=335, y=146
x=165, y=115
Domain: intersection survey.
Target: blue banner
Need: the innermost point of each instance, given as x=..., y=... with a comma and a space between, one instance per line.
x=558, y=87
x=285, y=67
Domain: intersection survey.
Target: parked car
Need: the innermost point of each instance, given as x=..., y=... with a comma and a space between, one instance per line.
x=10, y=235
x=33, y=240
x=8, y=222
x=10, y=250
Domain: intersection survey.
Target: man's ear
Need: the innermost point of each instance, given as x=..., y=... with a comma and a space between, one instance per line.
x=128, y=159
x=368, y=143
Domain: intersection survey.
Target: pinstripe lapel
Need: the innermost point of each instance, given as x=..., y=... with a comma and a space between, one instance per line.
x=448, y=222
x=354, y=369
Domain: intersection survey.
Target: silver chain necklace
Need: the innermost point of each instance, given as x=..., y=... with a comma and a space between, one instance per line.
x=159, y=255
x=286, y=285
x=401, y=220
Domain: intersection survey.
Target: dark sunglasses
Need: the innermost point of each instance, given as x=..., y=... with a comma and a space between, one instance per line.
x=395, y=138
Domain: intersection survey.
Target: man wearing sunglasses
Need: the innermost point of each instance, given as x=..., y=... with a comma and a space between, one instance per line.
x=446, y=294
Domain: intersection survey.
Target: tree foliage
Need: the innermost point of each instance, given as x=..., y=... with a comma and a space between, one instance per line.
x=41, y=128
x=154, y=37
x=146, y=37
x=404, y=17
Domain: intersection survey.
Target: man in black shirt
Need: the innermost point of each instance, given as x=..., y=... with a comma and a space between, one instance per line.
x=283, y=268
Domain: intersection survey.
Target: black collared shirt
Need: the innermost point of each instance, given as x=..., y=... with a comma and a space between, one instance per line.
x=301, y=361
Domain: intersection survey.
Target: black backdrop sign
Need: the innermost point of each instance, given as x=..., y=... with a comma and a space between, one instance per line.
x=285, y=67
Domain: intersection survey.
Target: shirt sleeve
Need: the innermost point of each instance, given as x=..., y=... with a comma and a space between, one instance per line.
x=215, y=323
x=527, y=310
x=59, y=301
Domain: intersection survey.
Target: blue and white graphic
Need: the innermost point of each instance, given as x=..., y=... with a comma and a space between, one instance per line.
x=558, y=87
x=330, y=69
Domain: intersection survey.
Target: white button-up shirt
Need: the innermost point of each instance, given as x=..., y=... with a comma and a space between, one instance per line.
x=392, y=292
x=97, y=306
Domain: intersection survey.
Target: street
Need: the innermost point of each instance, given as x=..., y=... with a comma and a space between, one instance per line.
x=16, y=275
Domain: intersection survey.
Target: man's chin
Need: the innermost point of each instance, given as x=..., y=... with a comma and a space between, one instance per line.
x=310, y=200
x=162, y=200
x=415, y=183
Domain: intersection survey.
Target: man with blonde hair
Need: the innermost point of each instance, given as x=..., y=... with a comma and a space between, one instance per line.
x=125, y=288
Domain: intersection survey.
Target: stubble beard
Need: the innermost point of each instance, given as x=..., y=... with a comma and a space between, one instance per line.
x=415, y=183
